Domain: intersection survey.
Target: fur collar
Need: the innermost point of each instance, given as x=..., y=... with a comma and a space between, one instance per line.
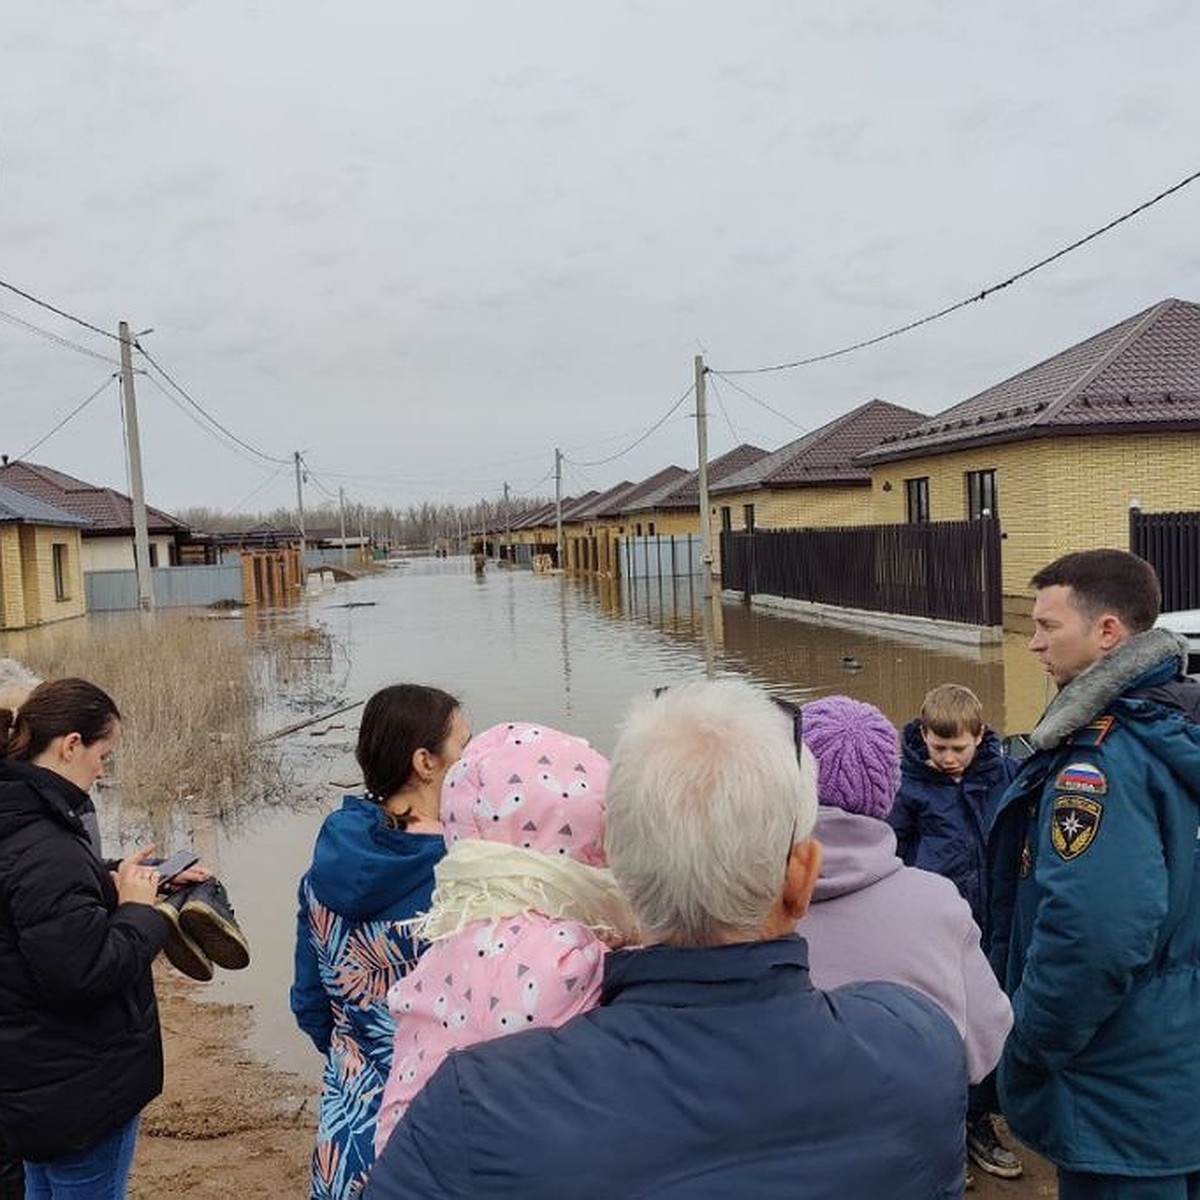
x=1094, y=688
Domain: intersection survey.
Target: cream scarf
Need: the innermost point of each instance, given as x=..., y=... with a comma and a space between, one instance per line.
x=479, y=881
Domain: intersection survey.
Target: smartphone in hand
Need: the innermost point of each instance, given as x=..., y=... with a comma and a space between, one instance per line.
x=179, y=861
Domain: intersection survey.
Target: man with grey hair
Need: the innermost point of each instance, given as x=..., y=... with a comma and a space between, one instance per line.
x=712, y=1067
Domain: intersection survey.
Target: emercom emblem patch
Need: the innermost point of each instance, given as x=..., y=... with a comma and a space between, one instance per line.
x=1074, y=822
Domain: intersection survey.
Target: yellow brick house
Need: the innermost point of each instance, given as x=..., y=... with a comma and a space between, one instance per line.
x=41, y=573
x=814, y=482
x=1061, y=451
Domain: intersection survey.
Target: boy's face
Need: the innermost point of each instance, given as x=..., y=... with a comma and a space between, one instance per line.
x=953, y=755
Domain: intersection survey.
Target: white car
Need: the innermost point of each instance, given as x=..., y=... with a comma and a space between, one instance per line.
x=1186, y=622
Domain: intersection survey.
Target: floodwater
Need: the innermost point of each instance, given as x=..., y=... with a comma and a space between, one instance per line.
x=516, y=646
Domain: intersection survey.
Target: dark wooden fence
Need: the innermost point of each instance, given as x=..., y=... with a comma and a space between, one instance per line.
x=1170, y=542
x=946, y=570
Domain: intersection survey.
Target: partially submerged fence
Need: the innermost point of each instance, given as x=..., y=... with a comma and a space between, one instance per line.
x=944, y=570
x=174, y=587
x=664, y=556
x=1170, y=542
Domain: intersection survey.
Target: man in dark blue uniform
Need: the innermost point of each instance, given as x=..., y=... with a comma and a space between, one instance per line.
x=1095, y=921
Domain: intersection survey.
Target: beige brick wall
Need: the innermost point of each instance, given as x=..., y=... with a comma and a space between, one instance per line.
x=12, y=585
x=1054, y=494
x=41, y=603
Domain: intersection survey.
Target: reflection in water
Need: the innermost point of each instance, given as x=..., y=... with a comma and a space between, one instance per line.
x=513, y=646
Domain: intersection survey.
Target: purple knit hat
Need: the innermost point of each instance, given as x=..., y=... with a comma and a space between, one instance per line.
x=858, y=755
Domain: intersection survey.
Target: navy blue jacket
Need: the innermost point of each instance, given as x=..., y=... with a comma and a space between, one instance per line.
x=705, y=1073
x=1096, y=905
x=941, y=823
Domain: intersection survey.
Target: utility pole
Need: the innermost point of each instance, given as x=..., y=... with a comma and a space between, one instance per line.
x=133, y=444
x=299, y=506
x=342, y=513
x=507, y=527
x=706, y=556
x=558, y=505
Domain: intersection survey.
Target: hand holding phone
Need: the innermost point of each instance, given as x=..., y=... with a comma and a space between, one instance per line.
x=179, y=861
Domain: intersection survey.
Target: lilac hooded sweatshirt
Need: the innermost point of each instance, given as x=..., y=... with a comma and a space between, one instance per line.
x=872, y=917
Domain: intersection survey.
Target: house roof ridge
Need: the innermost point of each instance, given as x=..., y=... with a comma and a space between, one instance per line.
x=1148, y=319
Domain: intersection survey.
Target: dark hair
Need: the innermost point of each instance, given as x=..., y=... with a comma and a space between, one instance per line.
x=396, y=723
x=53, y=710
x=1107, y=581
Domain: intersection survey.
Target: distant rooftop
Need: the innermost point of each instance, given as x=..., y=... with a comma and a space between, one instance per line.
x=827, y=455
x=1142, y=374
x=104, y=510
x=16, y=508
x=687, y=493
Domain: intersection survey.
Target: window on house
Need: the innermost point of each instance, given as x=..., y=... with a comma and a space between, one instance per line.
x=981, y=494
x=916, y=493
x=153, y=554
x=726, y=518
x=59, y=552
x=748, y=517
x=639, y=529
x=650, y=529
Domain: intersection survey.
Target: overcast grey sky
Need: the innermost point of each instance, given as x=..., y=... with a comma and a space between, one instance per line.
x=425, y=243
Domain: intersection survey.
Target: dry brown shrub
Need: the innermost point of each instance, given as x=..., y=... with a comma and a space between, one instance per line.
x=188, y=691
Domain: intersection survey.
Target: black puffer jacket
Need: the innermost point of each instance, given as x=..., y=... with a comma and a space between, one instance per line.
x=80, y=1047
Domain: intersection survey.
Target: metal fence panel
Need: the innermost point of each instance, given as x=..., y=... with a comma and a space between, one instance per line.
x=944, y=570
x=664, y=556
x=174, y=587
x=1170, y=543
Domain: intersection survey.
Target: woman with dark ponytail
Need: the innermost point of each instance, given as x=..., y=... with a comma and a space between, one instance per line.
x=372, y=870
x=79, y=1035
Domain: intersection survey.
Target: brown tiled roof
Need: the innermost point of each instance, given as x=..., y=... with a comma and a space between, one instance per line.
x=107, y=511
x=17, y=508
x=602, y=502
x=647, y=493
x=826, y=455
x=687, y=493
x=1143, y=372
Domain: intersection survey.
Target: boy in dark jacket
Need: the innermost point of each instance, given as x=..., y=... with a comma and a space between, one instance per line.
x=953, y=775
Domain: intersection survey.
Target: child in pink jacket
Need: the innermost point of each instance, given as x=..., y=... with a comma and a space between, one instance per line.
x=523, y=906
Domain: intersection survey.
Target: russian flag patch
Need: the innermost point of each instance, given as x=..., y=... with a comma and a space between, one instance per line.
x=1082, y=777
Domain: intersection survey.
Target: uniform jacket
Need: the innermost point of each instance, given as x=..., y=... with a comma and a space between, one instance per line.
x=706, y=1073
x=872, y=917
x=80, y=1047
x=941, y=823
x=365, y=879
x=1096, y=919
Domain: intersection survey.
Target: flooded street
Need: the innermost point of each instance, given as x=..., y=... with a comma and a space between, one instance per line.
x=513, y=646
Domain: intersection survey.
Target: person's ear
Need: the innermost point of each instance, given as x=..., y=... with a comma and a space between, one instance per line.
x=423, y=765
x=1112, y=631
x=804, y=865
x=70, y=745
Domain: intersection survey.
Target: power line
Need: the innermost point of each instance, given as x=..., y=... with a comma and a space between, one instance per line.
x=201, y=425
x=975, y=299
x=599, y=462
x=73, y=413
x=724, y=411
x=733, y=383
x=57, y=339
x=58, y=311
x=259, y=488
x=271, y=458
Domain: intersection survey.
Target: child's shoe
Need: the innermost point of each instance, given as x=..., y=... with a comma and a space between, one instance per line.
x=181, y=951
x=207, y=917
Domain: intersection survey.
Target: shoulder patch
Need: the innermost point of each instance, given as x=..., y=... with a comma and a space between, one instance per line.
x=1082, y=777
x=1095, y=733
x=1074, y=823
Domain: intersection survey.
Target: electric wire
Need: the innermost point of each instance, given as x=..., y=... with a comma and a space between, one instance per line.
x=260, y=487
x=73, y=413
x=57, y=339
x=968, y=300
x=733, y=383
x=724, y=411
x=58, y=311
x=599, y=462
x=271, y=458
x=201, y=425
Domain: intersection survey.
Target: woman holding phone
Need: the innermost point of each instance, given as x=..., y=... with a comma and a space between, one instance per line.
x=79, y=1031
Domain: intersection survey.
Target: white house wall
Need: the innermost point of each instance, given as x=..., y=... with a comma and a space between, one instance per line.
x=116, y=553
